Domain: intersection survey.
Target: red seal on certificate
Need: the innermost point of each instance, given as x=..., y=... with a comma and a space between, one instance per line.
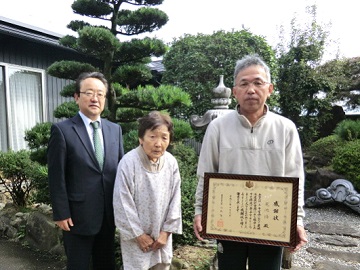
x=220, y=223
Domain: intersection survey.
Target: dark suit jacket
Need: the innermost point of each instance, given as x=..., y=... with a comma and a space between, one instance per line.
x=78, y=188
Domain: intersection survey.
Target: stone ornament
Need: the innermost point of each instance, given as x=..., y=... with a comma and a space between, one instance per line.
x=221, y=102
x=340, y=190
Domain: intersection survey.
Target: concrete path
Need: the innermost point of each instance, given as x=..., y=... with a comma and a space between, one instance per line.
x=15, y=257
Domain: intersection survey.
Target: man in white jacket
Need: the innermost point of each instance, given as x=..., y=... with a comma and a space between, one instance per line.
x=251, y=140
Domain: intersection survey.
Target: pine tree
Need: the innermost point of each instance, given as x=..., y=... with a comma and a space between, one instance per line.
x=122, y=62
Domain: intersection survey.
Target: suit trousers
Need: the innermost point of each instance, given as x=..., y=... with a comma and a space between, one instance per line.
x=82, y=249
x=235, y=256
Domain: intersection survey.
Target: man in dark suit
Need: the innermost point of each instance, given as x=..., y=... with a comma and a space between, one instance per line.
x=81, y=171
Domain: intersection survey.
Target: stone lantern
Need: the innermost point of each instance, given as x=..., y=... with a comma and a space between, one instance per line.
x=221, y=101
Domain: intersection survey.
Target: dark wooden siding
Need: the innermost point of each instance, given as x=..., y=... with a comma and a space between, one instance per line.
x=39, y=55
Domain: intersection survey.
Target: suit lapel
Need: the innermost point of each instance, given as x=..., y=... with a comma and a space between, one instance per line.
x=83, y=135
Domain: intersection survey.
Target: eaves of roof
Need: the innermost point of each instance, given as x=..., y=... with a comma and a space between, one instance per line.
x=27, y=32
x=34, y=34
x=157, y=65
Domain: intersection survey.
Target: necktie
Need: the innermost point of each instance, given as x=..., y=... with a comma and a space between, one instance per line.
x=99, y=153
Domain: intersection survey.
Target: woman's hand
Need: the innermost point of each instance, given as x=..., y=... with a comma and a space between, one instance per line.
x=145, y=242
x=161, y=241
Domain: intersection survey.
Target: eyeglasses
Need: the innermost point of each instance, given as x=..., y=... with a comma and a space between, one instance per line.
x=258, y=84
x=92, y=94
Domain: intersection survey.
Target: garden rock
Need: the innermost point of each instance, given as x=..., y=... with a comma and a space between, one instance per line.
x=41, y=232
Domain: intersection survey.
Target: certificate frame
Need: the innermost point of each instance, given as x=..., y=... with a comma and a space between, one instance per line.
x=250, y=208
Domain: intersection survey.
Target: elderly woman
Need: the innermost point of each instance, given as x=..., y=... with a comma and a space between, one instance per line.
x=147, y=199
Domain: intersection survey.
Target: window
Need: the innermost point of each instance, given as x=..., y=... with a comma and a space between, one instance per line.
x=3, y=120
x=21, y=104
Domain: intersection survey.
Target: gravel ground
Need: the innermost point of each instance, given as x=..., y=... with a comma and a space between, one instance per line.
x=334, y=213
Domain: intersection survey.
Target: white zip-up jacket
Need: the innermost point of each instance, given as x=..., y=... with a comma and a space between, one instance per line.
x=271, y=148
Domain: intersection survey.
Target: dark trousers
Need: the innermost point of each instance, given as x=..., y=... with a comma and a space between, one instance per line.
x=235, y=255
x=99, y=248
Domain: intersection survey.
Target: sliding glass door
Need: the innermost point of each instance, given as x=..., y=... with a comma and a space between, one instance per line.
x=22, y=96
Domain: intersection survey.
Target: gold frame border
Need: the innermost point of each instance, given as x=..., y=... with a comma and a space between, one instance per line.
x=293, y=230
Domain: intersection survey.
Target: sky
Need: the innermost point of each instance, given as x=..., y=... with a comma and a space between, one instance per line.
x=260, y=17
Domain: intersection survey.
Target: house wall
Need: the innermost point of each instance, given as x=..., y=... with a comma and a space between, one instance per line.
x=27, y=53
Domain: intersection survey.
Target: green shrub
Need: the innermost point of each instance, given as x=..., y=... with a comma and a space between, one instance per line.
x=67, y=109
x=322, y=151
x=182, y=130
x=15, y=168
x=348, y=130
x=130, y=140
x=39, y=177
x=347, y=162
x=38, y=139
x=187, y=160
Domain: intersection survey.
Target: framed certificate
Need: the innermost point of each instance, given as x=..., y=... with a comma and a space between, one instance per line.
x=252, y=209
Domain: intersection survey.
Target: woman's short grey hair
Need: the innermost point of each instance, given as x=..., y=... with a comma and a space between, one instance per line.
x=152, y=121
x=251, y=60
